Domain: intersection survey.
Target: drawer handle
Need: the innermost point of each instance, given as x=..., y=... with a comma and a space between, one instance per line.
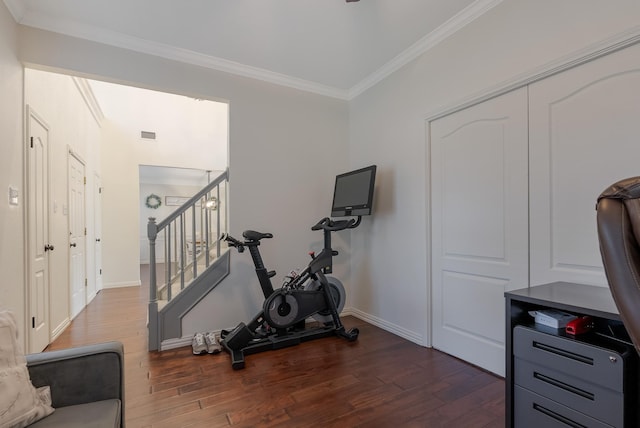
x=564, y=386
x=558, y=417
x=563, y=353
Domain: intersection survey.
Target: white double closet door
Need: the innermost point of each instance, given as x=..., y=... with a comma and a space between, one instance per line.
x=514, y=182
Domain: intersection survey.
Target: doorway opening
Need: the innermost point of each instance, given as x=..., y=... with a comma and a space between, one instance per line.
x=108, y=127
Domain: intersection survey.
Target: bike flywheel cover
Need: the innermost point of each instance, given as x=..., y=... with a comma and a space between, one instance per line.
x=281, y=310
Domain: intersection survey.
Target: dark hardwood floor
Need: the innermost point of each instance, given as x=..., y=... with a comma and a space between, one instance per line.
x=380, y=380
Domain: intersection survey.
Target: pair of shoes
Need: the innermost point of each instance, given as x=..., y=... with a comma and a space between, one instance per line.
x=198, y=344
x=212, y=342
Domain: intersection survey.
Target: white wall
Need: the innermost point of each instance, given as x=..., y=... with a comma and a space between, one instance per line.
x=285, y=148
x=12, y=247
x=163, y=211
x=189, y=132
x=387, y=127
x=57, y=99
x=13, y=292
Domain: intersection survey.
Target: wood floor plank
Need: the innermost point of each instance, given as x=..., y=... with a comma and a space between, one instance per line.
x=380, y=380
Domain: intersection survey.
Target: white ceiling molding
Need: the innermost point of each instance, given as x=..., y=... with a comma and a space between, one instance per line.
x=16, y=8
x=457, y=22
x=89, y=99
x=593, y=51
x=75, y=29
x=112, y=38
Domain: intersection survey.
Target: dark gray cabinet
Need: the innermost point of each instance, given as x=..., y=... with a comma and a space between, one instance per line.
x=558, y=380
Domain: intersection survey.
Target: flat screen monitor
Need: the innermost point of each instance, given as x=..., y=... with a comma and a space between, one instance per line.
x=353, y=192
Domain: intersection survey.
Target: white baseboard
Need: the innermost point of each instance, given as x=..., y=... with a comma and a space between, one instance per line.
x=91, y=296
x=147, y=261
x=59, y=329
x=180, y=342
x=175, y=343
x=386, y=325
x=121, y=284
x=373, y=320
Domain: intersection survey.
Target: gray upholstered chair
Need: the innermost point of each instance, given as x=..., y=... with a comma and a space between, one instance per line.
x=87, y=385
x=618, y=214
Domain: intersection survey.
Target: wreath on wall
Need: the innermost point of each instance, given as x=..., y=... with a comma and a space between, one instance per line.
x=153, y=201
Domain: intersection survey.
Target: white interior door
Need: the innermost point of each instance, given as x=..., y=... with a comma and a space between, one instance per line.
x=479, y=225
x=97, y=227
x=77, y=235
x=38, y=231
x=584, y=136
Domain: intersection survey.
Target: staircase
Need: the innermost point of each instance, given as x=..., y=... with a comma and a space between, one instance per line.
x=193, y=260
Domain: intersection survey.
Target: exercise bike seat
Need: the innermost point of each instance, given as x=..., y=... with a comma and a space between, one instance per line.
x=252, y=235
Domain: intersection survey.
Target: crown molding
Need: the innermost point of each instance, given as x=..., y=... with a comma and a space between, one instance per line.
x=16, y=9
x=626, y=38
x=457, y=22
x=112, y=38
x=89, y=98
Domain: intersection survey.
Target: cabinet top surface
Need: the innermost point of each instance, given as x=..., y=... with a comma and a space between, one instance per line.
x=569, y=296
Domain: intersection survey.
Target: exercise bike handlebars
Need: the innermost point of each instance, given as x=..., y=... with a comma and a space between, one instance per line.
x=232, y=242
x=336, y=225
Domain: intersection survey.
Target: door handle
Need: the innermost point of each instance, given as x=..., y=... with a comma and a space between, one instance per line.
x=72, y=245
x=97, y=239
x=48, y=247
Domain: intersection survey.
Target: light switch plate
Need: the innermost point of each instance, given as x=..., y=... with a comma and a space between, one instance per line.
x=13, y=196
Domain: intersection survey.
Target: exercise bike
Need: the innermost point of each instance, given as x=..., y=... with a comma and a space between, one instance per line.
x=310, y=293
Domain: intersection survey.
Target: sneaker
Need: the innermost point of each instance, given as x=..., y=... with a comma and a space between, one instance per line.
x=198, y=344
x=212, y=343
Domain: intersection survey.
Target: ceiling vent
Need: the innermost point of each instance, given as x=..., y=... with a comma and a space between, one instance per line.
x=147, y=135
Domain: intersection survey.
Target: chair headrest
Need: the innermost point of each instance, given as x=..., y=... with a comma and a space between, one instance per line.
x=628, y=192
x=629, y=188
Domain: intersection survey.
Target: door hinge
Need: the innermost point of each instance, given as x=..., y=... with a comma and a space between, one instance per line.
x=85, y=231
x=31, y=142
x=85, y=181
x=86, y=283
x=33, y=322
x=100, y=271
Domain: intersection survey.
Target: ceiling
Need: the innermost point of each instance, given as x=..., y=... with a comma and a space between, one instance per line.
x=325, y=46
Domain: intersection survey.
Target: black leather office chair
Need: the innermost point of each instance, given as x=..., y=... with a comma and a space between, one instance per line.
x=618, y=213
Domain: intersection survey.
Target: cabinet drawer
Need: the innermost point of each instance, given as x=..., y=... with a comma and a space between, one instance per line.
x=579, y=394
x=534, y=411
x=600, y=366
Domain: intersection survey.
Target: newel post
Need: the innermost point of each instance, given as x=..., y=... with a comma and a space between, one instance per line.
x=152, y=233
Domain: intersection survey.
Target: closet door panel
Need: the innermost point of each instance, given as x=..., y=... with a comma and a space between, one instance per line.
x=479, y=225
x=584, y=135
